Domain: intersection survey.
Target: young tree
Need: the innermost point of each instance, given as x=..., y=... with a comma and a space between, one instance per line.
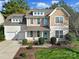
x=15, y=6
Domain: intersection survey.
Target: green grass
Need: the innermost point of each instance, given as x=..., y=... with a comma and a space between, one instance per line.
x=56, y=53
x=76, y=45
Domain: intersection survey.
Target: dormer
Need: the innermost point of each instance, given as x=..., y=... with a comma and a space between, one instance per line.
x=38, y=13
x=16, y=19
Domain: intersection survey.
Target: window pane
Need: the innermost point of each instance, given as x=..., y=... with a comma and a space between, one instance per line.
x=38, y=21
x=61, y=19
x=35, y=13
x=61, y=36
x=45, y=21
x=31, y=21
x=28, y=34
x=61, y=32
x=57, y=34
x=41, y=13
x=38, y=33
x=57, y=19
x=31, y=33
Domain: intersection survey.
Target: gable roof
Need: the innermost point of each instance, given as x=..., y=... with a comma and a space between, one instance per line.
x=61, y=9
x=13, y=15
x=46, y=11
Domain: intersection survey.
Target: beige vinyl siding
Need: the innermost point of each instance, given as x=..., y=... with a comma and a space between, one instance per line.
x=35, y=23
x=59, y=13
x=63, y=26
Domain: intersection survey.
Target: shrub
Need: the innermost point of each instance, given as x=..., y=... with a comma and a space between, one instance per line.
x=29, y=46
x=68, y=37
x=22, y=54
x=77, y=38
x=41, y=40
x=2, y=33
x=36, y=43
x=24, y=41
x=53, y=40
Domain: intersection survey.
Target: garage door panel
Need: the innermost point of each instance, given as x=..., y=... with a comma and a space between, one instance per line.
x=10, y=35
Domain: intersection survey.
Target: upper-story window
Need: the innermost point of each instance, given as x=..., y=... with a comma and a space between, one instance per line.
x=45, y=21
x=16, y=19
x=59, y=19
x=38, y=21
x=31, y=21
x=38, y=13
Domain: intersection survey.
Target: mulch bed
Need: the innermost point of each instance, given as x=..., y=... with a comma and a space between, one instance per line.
x=21, y=50
x=31, y=52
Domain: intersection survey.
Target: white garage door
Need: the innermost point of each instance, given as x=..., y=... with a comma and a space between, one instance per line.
x=10, y=35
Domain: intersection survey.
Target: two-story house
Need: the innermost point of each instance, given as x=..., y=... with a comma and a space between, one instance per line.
x=37, y=23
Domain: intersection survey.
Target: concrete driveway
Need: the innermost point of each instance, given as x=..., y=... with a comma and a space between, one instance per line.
x=8, y=49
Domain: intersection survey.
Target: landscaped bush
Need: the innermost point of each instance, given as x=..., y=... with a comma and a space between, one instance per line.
x=41, y=40
x=23, y=55
x=2, y=33
x=24, y=42
x=53, y=40
x=77, y=38
x=68, y=37
x=36, y=43
x=29, y=46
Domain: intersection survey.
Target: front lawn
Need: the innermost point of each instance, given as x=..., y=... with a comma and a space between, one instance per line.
x=56, y=53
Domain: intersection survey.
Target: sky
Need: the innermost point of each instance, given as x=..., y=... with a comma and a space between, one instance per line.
x=39, y=4
x=47, y=3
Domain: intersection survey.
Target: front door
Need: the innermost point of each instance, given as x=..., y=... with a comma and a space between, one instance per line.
x=46, y=35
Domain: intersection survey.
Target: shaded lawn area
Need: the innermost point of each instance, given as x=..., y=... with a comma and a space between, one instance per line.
x=76, y=45
x=56, y=53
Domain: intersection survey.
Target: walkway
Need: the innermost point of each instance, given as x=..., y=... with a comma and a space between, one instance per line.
x=31, y=53
x=8, y=49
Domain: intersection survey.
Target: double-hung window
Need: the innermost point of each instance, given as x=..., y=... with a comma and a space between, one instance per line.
x=30, y=34
x=59, y=33
x=38, y=33
x=38, y=21
x=31, y=21
x=59, y=19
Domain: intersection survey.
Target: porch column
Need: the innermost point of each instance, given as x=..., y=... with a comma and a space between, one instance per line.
x=42, y=34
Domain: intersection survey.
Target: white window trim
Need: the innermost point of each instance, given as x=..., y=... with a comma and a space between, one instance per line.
x=58, y=16
x=40, y=13
x=13, y=20
x=59, y=32
x=37, y=20
x=31, y=20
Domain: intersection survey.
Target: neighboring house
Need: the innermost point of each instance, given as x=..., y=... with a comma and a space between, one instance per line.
x=37, y=23
x=1, y=19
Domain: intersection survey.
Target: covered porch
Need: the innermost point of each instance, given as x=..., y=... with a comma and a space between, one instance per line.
x=35, y=32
